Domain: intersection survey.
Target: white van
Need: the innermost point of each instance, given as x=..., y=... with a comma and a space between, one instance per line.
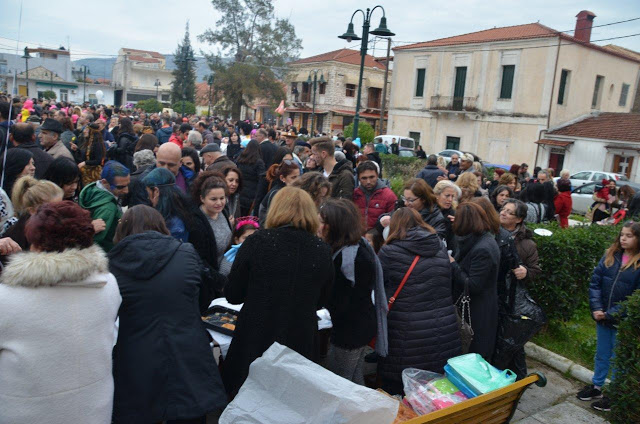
x=404, y=143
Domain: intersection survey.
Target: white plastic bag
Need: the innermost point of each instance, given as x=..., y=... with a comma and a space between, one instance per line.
x=283, y=387
x=428, y=391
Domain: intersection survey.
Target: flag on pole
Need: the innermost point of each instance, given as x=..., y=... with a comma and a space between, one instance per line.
x=280, y=109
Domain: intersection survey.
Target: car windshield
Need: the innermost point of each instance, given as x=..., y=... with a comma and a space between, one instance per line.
x=405, y=142
x=406, y=153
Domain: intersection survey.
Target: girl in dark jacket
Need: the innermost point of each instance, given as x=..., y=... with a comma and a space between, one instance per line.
x=234, y=147
x=616, y=277
x=418, y=195
x=352, y=312
x=162, y=365
x=422, y=324
x=476, y=265
x=282, y=275
x=125, y=144
x=251, y=166
x=286, y=173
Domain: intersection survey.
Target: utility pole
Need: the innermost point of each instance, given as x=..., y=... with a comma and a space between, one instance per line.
x=124, y=71
x=84, y=82
x=26, y=61
x=210, y=81
x=384, y=87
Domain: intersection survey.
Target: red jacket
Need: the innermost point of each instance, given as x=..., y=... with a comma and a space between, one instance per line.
x=175, y=139
x=382, y=201
x=563, y=205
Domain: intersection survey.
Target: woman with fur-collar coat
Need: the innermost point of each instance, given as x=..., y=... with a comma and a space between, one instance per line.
x=58, y=306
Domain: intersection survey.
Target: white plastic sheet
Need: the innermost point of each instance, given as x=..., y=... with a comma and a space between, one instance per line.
x=284, y=387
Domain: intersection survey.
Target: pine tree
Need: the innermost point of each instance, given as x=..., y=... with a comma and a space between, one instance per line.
x=183, y=86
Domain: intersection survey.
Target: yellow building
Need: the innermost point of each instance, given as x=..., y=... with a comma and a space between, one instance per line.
x=492, y=92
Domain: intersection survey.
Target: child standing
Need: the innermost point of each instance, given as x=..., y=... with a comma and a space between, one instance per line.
x=615, y=278
x=603, y=200
x=244, y=228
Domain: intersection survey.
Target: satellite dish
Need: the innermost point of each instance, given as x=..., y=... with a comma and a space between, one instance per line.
x=99, y=95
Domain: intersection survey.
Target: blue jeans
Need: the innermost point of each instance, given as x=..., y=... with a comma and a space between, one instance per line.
x=605, y=345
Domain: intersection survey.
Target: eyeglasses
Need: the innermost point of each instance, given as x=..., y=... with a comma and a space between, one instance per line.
x=407, y=200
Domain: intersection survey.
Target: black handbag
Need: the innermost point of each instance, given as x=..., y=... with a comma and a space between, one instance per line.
x=463, y=313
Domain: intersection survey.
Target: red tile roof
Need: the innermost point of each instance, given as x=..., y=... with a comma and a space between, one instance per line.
x=605, y=126
x=343, y=55
x=150, y=53
x=509, y=33
x=622, y=50
x=554, y=142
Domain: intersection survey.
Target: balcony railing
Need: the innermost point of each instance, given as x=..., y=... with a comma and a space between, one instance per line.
x=450, y=103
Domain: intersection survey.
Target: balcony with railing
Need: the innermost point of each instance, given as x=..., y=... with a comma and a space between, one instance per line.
x=453, y=104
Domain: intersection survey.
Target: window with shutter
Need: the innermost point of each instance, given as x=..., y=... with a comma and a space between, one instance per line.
x=506, y=88
x=562, y=89
x=595, y=101
x=420, y=76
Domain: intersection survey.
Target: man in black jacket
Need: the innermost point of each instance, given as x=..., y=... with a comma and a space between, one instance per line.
x=431, y=173
x=267, y=148
x=23, y=137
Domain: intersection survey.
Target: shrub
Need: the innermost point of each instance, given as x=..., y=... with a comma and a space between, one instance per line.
x=567, y=259
x=397, y=167
x=189, y=108
x=365, y=132
x=150, y=105
x=625, y=387
x=49, y=95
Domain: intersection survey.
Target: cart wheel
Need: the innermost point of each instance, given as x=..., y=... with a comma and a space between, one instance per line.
x=542, y=380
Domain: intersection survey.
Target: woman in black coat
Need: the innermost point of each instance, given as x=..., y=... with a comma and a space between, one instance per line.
x=477, y=264
x=251, y=166
x=282, y=275
x=125, y=144
x=163, y=368
x=422, y=324
x=419, y=195
x=352, y=312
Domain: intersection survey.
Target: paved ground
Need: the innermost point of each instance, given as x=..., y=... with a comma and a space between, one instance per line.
x=556, y=403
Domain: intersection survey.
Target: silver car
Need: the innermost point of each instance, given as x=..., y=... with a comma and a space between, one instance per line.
x=582, y=196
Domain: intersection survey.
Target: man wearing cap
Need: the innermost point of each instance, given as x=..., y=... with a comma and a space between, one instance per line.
x=466, y=162
x=213, y=158
x=50, y=139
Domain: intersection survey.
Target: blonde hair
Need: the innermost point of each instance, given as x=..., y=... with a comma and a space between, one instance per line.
x=29, y=193
x=441, y=162
x=293, y=206
x=565, y=172
x=468, y=183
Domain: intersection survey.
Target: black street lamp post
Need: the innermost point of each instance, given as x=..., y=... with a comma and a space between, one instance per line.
x=157, y=84
x=26, y=58
x=315, y=88
x=210, y=82
x=84, y=83
x=381, y=31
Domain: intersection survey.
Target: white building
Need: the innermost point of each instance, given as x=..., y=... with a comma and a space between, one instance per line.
x=52, y=60
x=140, y=75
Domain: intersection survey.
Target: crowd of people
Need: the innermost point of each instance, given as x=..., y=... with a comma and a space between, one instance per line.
x=147, y=219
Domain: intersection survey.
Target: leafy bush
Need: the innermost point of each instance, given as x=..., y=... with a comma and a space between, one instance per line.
x=625, y=388
x=150, y=105
x=394, y=166
x=365, y=132
x=397, y=185
x=49, y=95
x=189, y=108
x=567, y=259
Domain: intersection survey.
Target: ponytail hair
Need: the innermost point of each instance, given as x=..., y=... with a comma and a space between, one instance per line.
x=29, y=193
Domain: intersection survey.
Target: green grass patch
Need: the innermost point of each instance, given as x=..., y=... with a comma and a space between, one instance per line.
x=577, y=217
x=574, y=339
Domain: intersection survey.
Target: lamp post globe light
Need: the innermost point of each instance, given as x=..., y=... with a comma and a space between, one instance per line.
x=315, y=82
x=381, y=31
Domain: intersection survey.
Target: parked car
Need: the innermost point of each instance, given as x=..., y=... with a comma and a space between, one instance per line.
x=446, y=154
x=407, y=154
x=582, y=196
x=583, y=177
x=404, y=143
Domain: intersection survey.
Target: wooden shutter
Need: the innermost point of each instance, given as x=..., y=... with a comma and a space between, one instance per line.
x=506, y=89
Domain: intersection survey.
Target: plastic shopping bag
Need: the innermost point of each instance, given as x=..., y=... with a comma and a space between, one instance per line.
x=478, y=374
x=428, y=391
x=283, y=387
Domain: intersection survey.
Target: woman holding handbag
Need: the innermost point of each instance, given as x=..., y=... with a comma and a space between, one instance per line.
x=90, y=156
x=422, y=325
x=475, y=275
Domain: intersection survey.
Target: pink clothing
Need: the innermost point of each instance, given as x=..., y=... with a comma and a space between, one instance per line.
x=625, y=259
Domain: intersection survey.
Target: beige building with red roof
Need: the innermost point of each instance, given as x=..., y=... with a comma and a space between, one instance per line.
x=492, y=92
x=135, y=74
x=336, y=98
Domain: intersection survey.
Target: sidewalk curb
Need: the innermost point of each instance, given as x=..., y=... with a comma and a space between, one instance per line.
x=559, y=363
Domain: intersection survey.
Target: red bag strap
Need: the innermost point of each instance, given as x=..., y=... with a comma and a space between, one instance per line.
x=404, y=280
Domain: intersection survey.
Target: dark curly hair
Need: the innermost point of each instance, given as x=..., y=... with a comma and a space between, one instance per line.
x=58, y=226
x=198, y=184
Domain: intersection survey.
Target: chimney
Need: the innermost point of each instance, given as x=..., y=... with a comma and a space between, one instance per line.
x=583, y=26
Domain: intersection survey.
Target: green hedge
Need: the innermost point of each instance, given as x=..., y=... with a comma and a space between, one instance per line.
x=396, y=167
x=625, y=388
x=189, y=108
x=567, y=259
x=150, y=105
x=366, y=133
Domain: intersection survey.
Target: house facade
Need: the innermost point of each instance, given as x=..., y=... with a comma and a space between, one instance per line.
x=608, y=142
x=136, y=74
x=335, y=99
x=55, y=62
x=492, y=92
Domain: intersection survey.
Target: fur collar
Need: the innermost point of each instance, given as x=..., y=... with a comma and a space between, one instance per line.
x=71, y=267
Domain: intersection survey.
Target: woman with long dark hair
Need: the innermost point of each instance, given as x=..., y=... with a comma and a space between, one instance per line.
x=125, y=144
x=267, y=177
x=500, y=195
x=191, y=159
x=423, y=310
x=234, y=147
x=91, y=155
x=286, y=173
x=352, y=313
x=233, y=178
x=19, y=164
x=251, y=165
x=162, y=371
x=65, y=174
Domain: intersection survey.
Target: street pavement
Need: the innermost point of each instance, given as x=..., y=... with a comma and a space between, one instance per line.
x=556, y=403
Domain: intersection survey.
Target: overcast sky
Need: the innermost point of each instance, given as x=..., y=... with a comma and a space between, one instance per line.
x=94, y=28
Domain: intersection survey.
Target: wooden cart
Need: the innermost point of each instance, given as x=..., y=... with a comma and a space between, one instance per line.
x=496, y=407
